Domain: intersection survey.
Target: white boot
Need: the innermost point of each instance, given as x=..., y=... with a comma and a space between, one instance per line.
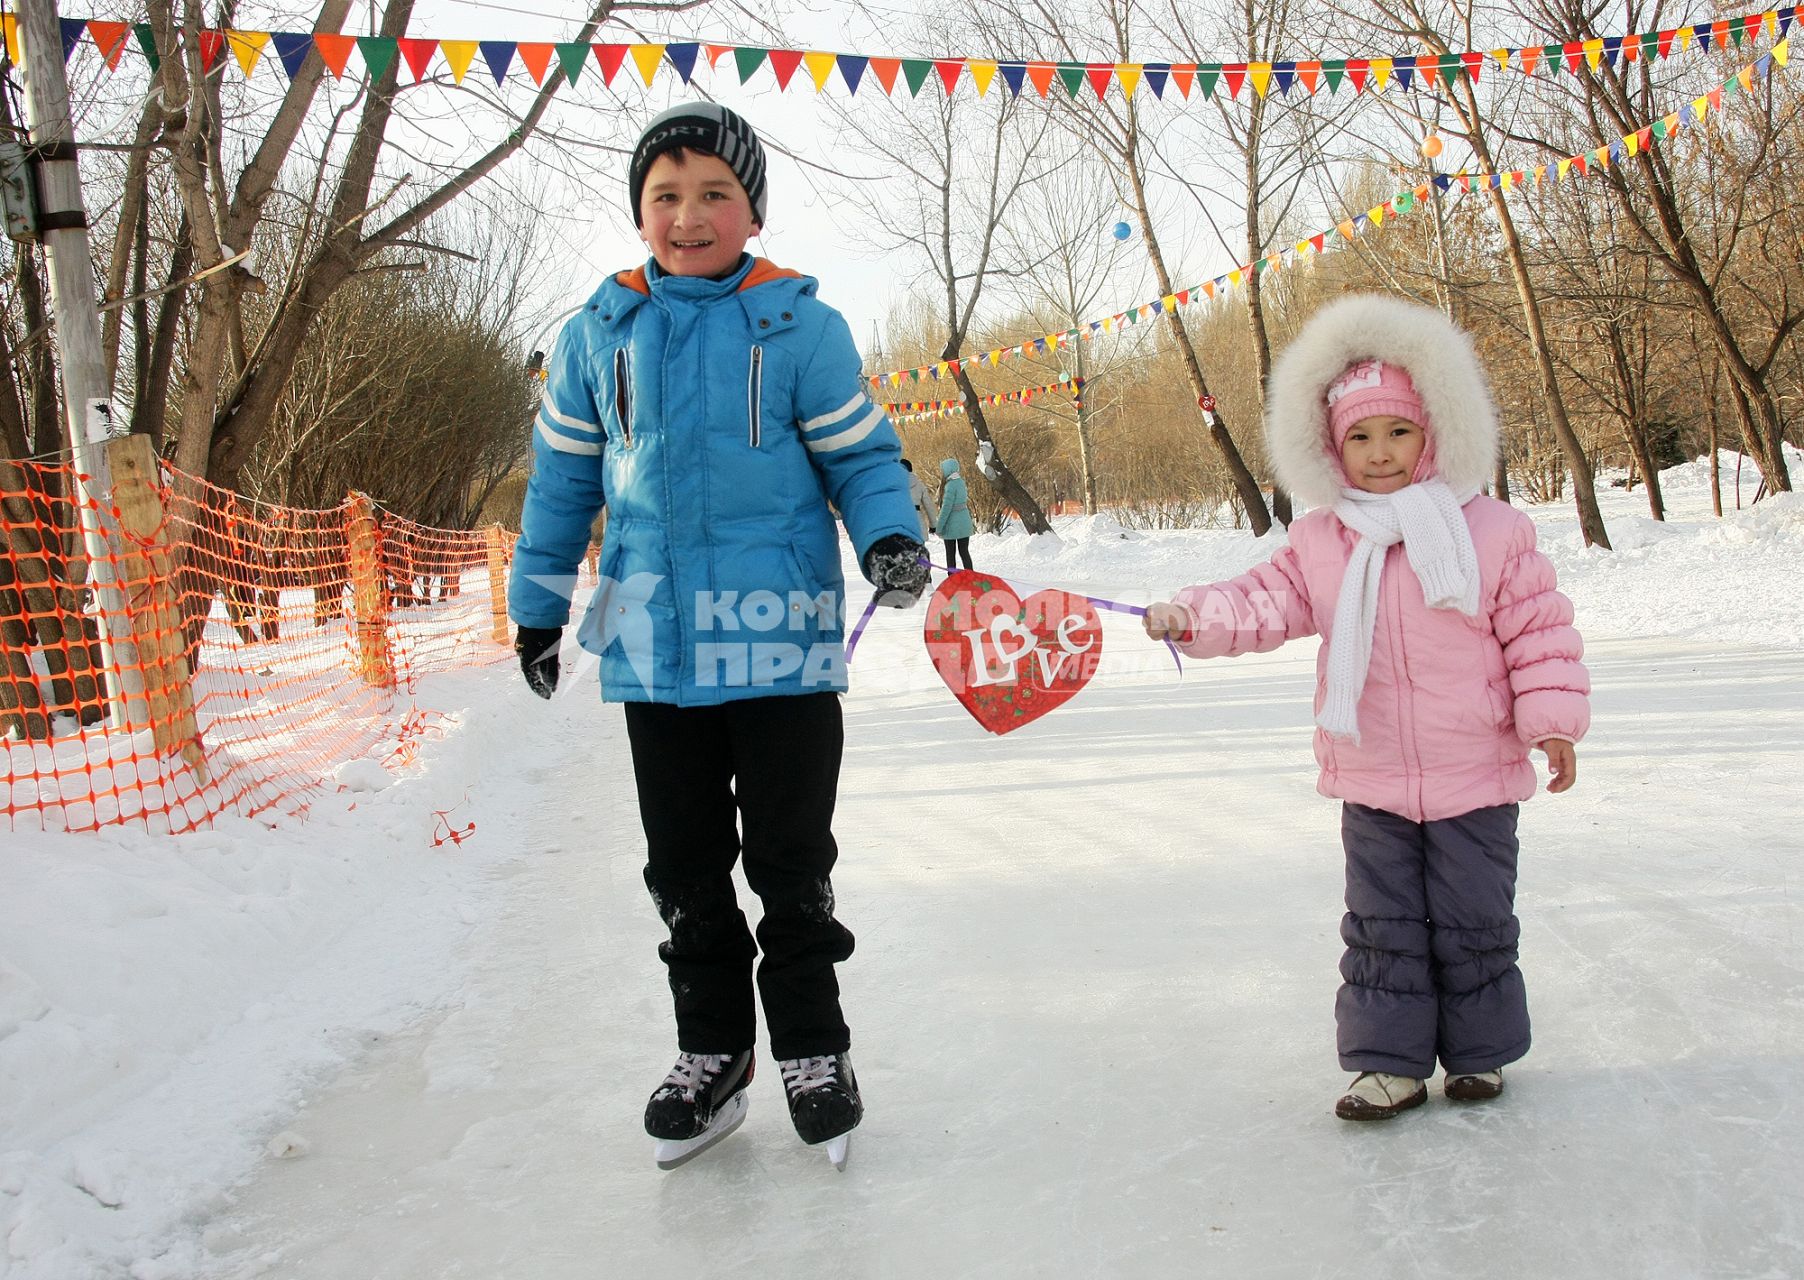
x=1473, y=1086
x=1378, y=1095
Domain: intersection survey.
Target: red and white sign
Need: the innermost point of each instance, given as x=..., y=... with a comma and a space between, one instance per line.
x=1009, y=660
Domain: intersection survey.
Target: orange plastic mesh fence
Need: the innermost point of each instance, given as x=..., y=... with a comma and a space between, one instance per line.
x=226, y=656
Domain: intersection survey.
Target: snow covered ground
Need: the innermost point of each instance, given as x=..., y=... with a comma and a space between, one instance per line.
x=1091, y=1003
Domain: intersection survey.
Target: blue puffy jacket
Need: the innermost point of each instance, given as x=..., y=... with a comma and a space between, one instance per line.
x=715, y=420
x=955, y=504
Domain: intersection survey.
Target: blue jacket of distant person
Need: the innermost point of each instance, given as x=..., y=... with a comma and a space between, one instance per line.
x=720, y=423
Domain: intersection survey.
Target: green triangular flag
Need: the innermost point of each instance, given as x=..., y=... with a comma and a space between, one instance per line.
x=1334, y=70
x=378, y=53
x=571, y=58
x=1072, y=73
x=748, y=61
x=915, y=70
x=1206, y=81
x=1449, y=67
x=148, y=42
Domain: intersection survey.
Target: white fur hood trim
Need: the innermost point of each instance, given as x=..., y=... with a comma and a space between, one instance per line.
x=1441, y=362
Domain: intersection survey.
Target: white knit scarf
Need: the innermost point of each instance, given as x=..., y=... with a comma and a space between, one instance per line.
x=1427, y=520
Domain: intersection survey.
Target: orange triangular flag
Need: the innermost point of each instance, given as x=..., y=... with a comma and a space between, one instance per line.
x=334, y=51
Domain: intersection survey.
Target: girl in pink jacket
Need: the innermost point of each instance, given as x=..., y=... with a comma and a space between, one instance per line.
x=1447, y=654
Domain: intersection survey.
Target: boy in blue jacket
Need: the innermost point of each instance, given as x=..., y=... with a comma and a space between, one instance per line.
x=715, y=408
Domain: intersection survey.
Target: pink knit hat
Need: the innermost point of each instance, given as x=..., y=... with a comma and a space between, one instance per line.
x=1368, y=389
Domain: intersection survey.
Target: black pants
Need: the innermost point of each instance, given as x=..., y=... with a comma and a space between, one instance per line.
x=962, y=546
x=772, y=764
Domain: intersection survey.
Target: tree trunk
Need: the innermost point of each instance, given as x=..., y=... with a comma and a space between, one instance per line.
x=1033, y=518
x=1591, y=521
x=1245, y=486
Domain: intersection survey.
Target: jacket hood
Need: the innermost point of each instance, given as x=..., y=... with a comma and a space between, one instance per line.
x=949, y=467
x=1371, y=326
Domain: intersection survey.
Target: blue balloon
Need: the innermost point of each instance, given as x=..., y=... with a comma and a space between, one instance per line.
x=1123, y=231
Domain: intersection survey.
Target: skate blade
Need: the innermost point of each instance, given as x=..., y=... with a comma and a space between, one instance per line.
x=837, y=1150
x=672, y=1152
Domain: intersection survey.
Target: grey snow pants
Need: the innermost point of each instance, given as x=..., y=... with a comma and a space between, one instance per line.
x=1431, y=932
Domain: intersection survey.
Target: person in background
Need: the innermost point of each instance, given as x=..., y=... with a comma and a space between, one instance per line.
x=955, y=524
x=922, y=497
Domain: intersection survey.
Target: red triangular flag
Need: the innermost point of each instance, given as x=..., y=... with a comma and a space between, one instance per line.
x=784, y=62
x=418, y=54
x=609, y=57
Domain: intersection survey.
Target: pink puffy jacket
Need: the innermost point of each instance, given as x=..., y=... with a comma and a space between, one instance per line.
x=1451, y=704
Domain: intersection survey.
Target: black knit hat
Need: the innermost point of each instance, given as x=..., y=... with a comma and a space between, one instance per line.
x=706, y=127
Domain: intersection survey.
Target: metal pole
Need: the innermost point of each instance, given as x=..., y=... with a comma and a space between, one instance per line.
x=87, y=396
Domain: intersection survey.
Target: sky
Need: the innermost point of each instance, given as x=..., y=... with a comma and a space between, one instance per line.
x=1091, y=999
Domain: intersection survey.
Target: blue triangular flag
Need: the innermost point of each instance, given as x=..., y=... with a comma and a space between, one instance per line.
x=1155, y=76
x=1014, y=73
x=499, y=54
x=851, y=69
x=73, y=30
x=1405, y=75
x=682, y=57
x=292, y=49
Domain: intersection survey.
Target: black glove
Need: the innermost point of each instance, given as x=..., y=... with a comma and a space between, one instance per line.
x=897, y=565
x=537, y=647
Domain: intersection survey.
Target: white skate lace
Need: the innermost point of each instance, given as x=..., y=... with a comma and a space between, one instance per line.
x=692, y=1071
x=803, y=1074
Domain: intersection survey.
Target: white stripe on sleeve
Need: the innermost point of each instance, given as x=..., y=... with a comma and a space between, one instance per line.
x=850, y=436
x=845, y=410
x=564, y=444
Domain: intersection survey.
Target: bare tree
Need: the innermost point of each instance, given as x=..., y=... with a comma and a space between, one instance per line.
x=961, y=174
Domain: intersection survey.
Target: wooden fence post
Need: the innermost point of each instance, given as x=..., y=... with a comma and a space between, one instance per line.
x=497, y=542
x=162, y=699
x=369, y=593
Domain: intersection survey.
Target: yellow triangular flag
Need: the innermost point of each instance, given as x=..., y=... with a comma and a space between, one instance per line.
x=1506, y=181
x=820, y=66
x=1782, y=51
x=646, y=57
x=9, y=25
x=1594, y=53
x=982, y=72
x=1381, y=71
x=458, y=54
x=1503, y=58
x=1684, y=38
x=1234, y=276
x=1375, y=216
x=1631, y=144
x=247, y=47
x=1169, y=302
x=1746, y=76
x=1260, y=75
x=1564, y=166
x=1128, y=73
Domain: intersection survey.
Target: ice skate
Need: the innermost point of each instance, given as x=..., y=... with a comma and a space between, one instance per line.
x=1378, y=1095
x=823, y=1102
x=1473, y=1086
x=701, y=1101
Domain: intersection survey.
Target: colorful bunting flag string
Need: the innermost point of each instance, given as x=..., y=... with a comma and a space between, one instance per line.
x=1347, y=228
x=1202, y=79
x=914, y=410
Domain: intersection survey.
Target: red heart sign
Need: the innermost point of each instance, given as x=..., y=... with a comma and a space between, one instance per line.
x=1009, y=660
